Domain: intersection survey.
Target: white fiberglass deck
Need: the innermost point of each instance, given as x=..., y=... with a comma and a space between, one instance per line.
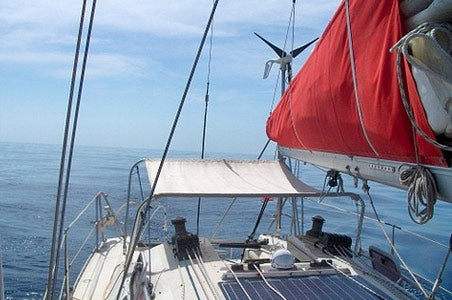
x=101, y=272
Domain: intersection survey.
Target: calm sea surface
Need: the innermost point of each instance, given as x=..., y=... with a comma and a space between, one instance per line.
x=28, y=181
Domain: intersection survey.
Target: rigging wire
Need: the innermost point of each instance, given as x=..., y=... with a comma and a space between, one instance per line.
x=291, y=23
x=366, y=189
x=289, y=71
x=286, y=37
x=265, y=201
x=263, y=149
x=274, y=93
x=50, y=289
x=168, y=143
x=74, y=130
x=206, y=98
x=289, y=91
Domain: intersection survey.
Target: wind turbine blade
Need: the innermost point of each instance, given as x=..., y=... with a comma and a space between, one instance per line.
x=278, y=51
x=299, y=50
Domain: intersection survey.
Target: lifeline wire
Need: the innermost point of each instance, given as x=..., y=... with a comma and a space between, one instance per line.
x=170, y=137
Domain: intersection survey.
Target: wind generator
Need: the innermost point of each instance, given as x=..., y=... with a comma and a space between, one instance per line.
x=284, y=60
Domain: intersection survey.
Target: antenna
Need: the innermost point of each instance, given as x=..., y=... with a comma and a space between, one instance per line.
x=284, y=60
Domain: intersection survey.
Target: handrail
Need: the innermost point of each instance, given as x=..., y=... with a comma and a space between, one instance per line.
x=129, y=188
x=97, y=199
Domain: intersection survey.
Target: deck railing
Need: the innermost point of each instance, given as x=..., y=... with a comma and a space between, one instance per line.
x=104, y=216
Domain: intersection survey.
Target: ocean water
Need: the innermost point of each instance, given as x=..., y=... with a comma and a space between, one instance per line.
x=28, y=181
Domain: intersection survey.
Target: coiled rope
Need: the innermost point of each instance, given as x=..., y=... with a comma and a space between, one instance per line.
x=422, y=190
x=422, y=193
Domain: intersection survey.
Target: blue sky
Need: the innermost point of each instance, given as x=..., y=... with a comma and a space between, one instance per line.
x=140, y=56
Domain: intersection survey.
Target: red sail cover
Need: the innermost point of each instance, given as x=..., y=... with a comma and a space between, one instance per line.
x=319, y=110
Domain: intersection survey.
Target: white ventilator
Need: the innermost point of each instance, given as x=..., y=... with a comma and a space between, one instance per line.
x=282, y=259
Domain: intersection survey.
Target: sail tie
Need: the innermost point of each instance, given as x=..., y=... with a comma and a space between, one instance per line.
x=355, y=80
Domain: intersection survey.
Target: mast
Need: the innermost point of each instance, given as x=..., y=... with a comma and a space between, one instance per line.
x=285, y=61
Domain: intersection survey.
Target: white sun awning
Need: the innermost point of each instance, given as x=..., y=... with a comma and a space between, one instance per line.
x=226, y=178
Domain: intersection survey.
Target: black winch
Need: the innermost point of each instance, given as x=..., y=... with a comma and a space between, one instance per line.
x=329, y=241
x=183, y=240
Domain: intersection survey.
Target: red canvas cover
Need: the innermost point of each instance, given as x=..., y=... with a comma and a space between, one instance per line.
x=319, y=111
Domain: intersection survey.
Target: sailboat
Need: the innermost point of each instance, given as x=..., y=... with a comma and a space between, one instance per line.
x=324, y=118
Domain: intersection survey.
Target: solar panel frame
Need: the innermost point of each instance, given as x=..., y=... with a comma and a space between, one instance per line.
x=302, y=287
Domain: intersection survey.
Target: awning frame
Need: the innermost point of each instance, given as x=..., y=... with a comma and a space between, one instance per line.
x=299, y=189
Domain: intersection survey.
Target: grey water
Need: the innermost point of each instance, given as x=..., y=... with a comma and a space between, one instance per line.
x=28, y=185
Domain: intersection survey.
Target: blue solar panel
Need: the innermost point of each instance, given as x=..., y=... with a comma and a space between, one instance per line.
x=306, y=287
